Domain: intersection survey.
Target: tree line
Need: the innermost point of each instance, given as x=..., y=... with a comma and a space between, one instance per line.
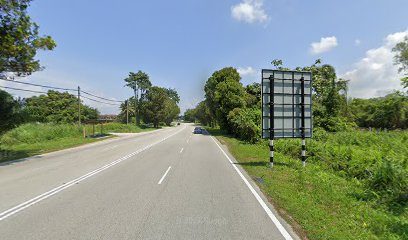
x=155, y=105
x=236, y=109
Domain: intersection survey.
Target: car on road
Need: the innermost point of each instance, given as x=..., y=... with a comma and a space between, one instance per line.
x=198, y=130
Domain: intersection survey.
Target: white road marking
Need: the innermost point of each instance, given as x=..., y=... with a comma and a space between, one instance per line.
x=181, y=150
x=161, y=179
x=268, y=211
x=29, y=203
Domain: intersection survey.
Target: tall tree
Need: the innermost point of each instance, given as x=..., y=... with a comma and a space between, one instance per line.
x=19, y=40
x=154, y=108
x=140, y=83
x=401, y=59
x=329, y=97
x=10, y=111
x=159, y=107
x=219, y=98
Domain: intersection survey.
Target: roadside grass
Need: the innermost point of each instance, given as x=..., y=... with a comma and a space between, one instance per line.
x=123, y=128
x=39, y=138
x=322, y=203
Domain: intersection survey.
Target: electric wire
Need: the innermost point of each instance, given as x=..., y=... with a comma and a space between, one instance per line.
x=106, y=99
x=25, y=90
x=39, y=85
x=59, y=88
x=115, y=104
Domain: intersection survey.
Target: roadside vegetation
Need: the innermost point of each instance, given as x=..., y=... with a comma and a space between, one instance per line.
x=37, y=138
x=355, y=184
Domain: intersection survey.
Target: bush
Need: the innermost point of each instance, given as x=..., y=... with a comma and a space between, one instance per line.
x=390, y=183
x=245, y=123
x=37, y=132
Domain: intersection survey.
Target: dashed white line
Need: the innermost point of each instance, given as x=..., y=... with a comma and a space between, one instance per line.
x=181, y=150
x=161, y=179
x=29, y=203
x=268, y=211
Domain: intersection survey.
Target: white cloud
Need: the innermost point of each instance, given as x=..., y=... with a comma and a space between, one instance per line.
x=246, y=71
x=375, y=74
x=325, y=45
x=249, y=11
x=357, y=42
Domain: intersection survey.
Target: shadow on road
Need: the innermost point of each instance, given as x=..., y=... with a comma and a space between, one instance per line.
x=9, y=157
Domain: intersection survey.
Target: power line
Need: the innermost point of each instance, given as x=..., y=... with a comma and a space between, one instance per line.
x=25, y=90
x=39, y=85
x=115, y=104
x=101, y=97
x=59, y=88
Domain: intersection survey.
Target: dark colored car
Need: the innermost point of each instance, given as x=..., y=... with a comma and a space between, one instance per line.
x=178, y=123
x=198, y=130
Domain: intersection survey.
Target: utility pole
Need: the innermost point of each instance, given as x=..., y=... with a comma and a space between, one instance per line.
x=136, y=116
x=79, y=105
x=127, y=112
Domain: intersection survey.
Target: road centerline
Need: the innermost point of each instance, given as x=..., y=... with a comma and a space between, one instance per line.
x=181, y=150
x=20, y=207
x=164, y=176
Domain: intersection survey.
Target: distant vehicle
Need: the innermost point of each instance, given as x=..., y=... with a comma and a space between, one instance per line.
x=178, y=123
x=198, y=130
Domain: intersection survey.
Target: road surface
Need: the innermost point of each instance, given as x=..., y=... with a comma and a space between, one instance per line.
x=166, y=184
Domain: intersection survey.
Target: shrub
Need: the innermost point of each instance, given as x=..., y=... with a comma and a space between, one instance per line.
x=246, y=123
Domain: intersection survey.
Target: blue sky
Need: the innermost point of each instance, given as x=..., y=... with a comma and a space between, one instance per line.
x=180, y=43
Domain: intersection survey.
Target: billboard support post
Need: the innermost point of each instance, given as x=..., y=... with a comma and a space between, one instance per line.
x=271, y=128
x=302, y=129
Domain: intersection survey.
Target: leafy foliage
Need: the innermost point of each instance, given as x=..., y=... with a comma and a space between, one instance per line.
x=224, y=92
x=213, y=98
x=245, y=123
x=11, y=113
x=389, y=112
x=401, y=59
x=57, y=107
x=253, y=96
x=19, y=39
x=173, y=94
x=159, y=107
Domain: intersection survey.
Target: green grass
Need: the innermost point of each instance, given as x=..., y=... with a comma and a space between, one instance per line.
x=34, y=139
x=123, y=128
x=323, y=201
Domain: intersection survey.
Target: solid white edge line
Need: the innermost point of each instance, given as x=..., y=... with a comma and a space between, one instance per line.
x=161, y=179
x=9, y=212
x=268, y=211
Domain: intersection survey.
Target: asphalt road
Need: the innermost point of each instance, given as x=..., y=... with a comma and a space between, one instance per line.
x=166, y=184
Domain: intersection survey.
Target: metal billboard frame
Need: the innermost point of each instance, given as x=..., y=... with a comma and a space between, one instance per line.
x=297, y=105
